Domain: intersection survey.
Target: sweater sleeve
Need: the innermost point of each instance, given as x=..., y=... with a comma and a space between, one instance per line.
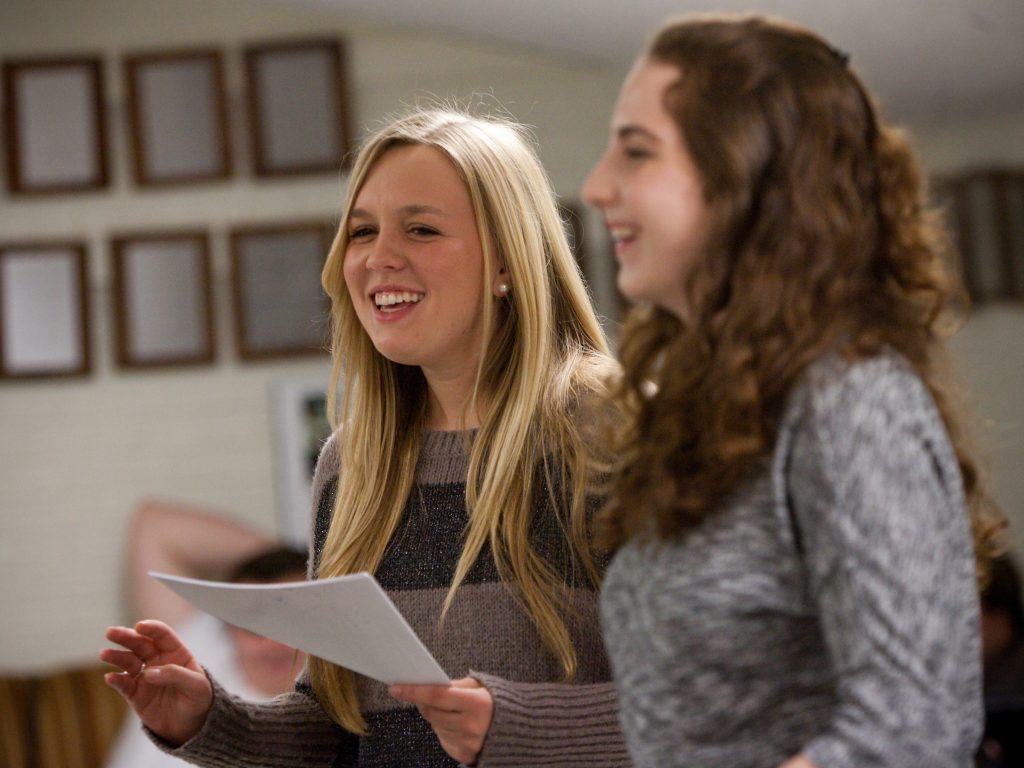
x=553, y=725
x=290, y=731
x=878, y=504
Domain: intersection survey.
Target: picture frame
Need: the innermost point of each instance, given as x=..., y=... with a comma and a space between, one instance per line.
x=299, y=427
x=280, y=309
x=298, y=108
x=162, y=299
x=44, y=310
x=573, y=218
x=178, y=117
x=55, y=125
x=987, y=219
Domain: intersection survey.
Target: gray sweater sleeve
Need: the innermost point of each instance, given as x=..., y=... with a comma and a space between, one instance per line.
x=553, y=725
x=878, y=505
x=290, y=731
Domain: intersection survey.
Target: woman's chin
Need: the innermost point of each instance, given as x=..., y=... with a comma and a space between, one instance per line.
x=399, y=354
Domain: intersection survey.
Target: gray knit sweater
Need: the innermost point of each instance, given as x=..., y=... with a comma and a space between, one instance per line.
x=536, y=722
x=829, y=608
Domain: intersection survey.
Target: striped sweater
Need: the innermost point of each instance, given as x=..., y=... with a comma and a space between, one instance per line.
x=486, y=633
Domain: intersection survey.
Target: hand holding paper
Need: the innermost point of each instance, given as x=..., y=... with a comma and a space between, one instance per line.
x=460, y=714
x=348, y=620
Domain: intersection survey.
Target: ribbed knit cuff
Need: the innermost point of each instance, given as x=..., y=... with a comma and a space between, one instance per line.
x=291, y=731
x=552, y=724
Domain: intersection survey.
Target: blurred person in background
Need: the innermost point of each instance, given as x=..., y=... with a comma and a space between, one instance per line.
x=1002, y=642
x=184, y=540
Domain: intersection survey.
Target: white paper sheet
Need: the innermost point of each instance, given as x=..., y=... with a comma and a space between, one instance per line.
x=348, y=620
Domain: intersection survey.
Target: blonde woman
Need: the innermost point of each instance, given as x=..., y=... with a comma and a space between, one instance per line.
x=468, y=349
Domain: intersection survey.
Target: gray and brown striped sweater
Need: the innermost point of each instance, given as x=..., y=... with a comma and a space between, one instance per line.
x=537, y=721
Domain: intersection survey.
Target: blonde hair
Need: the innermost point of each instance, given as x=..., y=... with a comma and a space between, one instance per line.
x=543, y=352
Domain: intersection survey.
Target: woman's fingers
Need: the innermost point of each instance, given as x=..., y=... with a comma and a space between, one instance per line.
x=154, y=643
x=471, y=720
x=159, y=634
x=463, y=695
x=138, y=644
x=460, y=713
x=448, y=722
x=122, y=683
x=146, y=634
x=126, y=660
x=159, y=676
x=190, y=683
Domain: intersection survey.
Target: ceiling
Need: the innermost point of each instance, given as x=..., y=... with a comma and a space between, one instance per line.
x=928, y=60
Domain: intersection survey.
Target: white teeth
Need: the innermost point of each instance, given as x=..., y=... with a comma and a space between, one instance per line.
x=621, y=233
x=388, y=298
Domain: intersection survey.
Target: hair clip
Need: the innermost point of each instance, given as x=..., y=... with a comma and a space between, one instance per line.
x=841, y=56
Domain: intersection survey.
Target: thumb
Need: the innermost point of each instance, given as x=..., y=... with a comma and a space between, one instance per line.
x=467, y=682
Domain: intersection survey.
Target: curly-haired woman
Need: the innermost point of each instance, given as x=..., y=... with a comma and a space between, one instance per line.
x=797, y=521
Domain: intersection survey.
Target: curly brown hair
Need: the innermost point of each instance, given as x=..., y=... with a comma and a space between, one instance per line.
x=819, y=242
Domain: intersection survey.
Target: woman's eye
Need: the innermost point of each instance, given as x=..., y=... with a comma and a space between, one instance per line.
x=422, y=230
x=360, y=232
x=636, y=153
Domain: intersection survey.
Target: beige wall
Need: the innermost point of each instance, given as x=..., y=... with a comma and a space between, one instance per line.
x=970, y=144
x=989, y=350
x=75, y=456
x=989, y=353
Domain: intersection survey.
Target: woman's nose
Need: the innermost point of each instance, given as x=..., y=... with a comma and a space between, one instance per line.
x=597, y=189
x=385, y=254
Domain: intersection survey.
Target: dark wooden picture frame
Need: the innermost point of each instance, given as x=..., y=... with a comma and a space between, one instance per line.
x=178, y=117
x=298, y=106
x=987, y=216
x=44, y=310
x=572, y=213
x=55, y=125
x=280, y=309
x=163, y=299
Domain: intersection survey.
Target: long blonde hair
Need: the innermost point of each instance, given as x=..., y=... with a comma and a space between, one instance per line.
x=543, y=353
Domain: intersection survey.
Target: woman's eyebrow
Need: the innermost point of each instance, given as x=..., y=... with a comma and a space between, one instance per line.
x=405, y=210
x=408, y=209
x=630, y=131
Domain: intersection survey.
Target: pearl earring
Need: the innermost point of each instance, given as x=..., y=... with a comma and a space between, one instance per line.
x=503, y=289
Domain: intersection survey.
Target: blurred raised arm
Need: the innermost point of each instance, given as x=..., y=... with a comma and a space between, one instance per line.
x=186, y=541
